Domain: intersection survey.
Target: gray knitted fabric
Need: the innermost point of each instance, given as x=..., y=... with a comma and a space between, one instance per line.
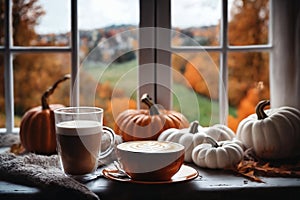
x=7, y=140
x=42, y=172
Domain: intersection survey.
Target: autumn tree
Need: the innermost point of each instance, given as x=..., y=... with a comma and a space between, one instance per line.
x=248, y=26
x=26, y=15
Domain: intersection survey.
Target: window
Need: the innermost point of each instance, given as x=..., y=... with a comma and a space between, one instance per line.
x=203, y=42
x=25, y=55
x=163, y=58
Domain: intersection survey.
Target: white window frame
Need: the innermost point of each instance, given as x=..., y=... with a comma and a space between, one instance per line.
x=162, y=77
x=151, y=76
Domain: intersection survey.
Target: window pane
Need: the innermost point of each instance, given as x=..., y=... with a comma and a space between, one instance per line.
x=248, y=83
x=196, y=85
x=198, y=19
x=2, y=103
x=248, y=22
x=2, y=22
x=108, y=44
x=41, y=23
x=34, y=74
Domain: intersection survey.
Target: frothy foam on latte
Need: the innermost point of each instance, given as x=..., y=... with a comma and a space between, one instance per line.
x=150, y=146
x=78, y=127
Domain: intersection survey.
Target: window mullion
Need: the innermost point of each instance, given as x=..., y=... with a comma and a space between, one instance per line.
x=163, y=54
x=8, y=68
x=146, y=70
x=75, y=82
x=223, y=78
x=46, y=49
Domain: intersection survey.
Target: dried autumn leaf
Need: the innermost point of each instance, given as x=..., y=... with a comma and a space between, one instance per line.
x=252, y=169
x=251, y=176
x=17, y=149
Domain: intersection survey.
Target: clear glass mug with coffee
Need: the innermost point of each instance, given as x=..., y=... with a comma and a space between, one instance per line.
x=79, y=132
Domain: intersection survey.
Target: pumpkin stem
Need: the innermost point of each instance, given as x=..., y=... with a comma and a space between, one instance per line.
x=194, y=127
x=212, y=141
x=146, y=99
x=260, y=109
x=50, y=90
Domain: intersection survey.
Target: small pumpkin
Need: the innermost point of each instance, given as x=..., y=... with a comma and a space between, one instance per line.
x=195, y=135
x=188, y=137
x=147, y=124
x=273, y=134
x=37, y=128
x=217, y=155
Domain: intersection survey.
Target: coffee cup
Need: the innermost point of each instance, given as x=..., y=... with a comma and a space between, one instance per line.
x=79, y=133
x=150, y=160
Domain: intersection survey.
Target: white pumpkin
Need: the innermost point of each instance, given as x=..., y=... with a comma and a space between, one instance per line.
x=273, y=134
x=219, y=132
x=224, y=154
x=195, y=135
x=187, y=137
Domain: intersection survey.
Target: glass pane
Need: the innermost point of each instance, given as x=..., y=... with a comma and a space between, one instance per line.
x=2, y=102
x=1, y=22
x=248, y=83
x=108, y=44
x=197, y=19
x=196, y=85
x=41, y=23
x=248, y=22
x=34, y=74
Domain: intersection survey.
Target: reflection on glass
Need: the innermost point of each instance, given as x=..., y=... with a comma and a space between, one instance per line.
x=198, y=19
x=248, y=83
x=108, y=44
x=41, y=23
x=196, y=85
x=248, y=22
x=2, y=103
x=34, y=74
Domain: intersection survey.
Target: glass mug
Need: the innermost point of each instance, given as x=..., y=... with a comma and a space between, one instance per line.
x=79, y=133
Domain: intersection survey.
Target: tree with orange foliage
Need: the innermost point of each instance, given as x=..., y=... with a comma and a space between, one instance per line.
x=26, y=14
x=247, y=105
x=202, y=74
x=249, y=23
x=248, y=26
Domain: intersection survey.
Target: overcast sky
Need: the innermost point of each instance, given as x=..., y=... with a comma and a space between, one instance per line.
x=101, y=13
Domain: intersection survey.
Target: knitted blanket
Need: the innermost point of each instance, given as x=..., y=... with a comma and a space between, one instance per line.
x=42, y=172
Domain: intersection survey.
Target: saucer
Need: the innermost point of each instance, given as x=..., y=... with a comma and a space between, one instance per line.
x=185, y=173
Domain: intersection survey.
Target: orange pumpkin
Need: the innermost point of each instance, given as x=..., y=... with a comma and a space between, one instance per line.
x=37, y=129
x=147, y=124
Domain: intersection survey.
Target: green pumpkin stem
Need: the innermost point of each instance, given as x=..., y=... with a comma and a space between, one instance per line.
x=212, y=141
x=260, y=109
x=194, y=127
x=50, y=90
x=146, y=99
